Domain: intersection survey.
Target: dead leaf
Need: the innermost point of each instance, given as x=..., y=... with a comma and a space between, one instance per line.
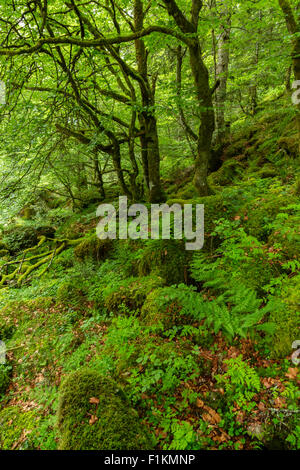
x=93, y=419
x=199, y=403
x=94, y=400
x=292, y=373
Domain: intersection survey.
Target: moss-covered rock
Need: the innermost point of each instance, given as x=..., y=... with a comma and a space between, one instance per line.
x=165, y=258
x=130, y=293
x=3, y=253
x=169, y=306
x=19, y=238
x=94, y=414
x=93, y=247
x=3, y=246
x=225, y=175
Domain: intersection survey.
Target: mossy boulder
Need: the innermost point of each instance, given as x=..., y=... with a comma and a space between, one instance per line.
x=130, y=293
x=3, y=246
x=93, y=247
x=19, y=238
x=94, y=414
x=227, y=173
x=46, y=230
x=165, y=258
x=3, y=253
x=169, y=306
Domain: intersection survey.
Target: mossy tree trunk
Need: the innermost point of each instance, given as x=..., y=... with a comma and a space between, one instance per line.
x=147, y=118
x=293, y=26
x=222, y=74
x=202, y=89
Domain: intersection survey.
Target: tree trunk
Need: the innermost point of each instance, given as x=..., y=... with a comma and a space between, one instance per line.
x=149, y=141
x=222, y=75
x=293, y=27
x=207, y=126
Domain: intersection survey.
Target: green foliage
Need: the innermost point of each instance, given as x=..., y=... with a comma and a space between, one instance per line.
x=107, y=422
x=286, y=316
x=20, y=238
x=241, y=382
x=15, y=427
x=5, y=371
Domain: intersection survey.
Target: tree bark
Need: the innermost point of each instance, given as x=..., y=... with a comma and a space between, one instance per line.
x=222, y=75
x=149, y=141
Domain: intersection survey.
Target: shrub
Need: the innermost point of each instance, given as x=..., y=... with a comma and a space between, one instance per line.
x=286, y=316
x=94, y=414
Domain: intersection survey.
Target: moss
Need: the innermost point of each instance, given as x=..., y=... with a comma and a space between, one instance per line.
x=290, y=144
x=238, y=147
x=72, y=292
x=169, y=306
x=93, y=247
x=5, y=372
x=7, y=330
x=225, y=175
x=166, y=258
x=188, y=191
x=19, y=238
x=46, y=231
x=3, y=253
x=286, y=316
x=130, y=293
x=109, y=423
x=15, y=427
x=3, y=246
x=262, y=213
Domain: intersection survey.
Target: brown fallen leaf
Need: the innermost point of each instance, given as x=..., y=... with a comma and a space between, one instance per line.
x=211, y=416
x=199, y=403
x=292, y=373
x=93, y=419
x=94, y=400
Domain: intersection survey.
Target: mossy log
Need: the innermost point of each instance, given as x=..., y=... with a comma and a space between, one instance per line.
x=19, y=274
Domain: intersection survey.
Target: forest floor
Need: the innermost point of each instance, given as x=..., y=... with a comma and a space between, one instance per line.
x=200, y=344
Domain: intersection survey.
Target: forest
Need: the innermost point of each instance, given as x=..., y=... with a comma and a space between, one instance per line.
x=176, y=327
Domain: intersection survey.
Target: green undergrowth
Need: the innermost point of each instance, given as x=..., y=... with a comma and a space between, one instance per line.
x=140, y=344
